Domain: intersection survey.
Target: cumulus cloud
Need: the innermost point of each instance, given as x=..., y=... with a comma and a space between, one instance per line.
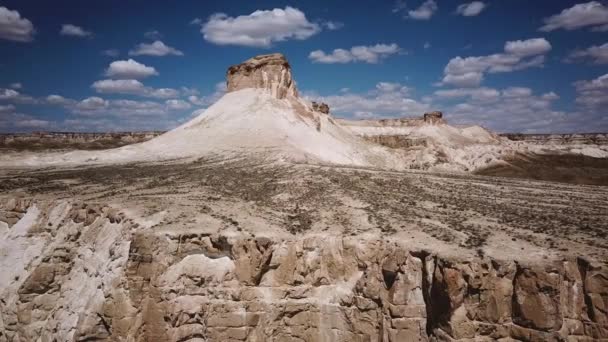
x=367, y=54
x=597, y=54
x=7, y=109
x=157, y=48
x=424, y=12
x=12, y=95
x=387, y=99
x=513, y=109
x=133, y=87
x=471, y=9
x=58, y=100
x=8, y=94
x=591, y=14
x=16, y=85
x=32, y=123
x=92, y=103
x=111, y=52
x=119, y=87
x=129, y=69
x=530, y=47
x=260, y=28
x=593, y=93
x=333, y=25
x=518, y=55
x=74, y=31
x=219, y=91
x=177, y=104
x=153, y=35
x=14, y=27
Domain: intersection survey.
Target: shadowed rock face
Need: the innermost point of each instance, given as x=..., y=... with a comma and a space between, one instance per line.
x=320, y=107
x=271, y=72
x=435, y=117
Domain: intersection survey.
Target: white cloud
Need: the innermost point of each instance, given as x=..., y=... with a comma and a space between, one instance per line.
x=196, y=21
x=111, y=52
x=598, y=54
x=513, y=109
x=333, y=25
x=153, y=35
x=518, y=55
x=133, y=87
x=427, y=45
x=471, y=9
x=14, y=27
x=368, y=54
x=11, y=95
x=157, y=48
x=129, y=69
x=468, y=79
x=163, y=93
x=515, y=92
x=16, y=85
x=593, y=14
x=387, y=99
x=119, y=87
x=58, y=100
x=260, y=28
x=424, y=12
x=32, y=123
x=530, y=47
x=8, y=94
x=478, y=94
x=593, y=93
x=7, y=109
x=219, y=91
x=177, y=104
x=90, y=104
x=74, y=31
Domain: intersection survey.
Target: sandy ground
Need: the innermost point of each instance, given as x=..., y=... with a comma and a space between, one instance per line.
x=452, y=214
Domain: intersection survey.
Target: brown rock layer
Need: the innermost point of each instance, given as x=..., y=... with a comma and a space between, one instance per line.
x=192, y=286
x=271, y=72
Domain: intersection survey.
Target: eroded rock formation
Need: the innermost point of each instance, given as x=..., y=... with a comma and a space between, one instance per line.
x=320, y=107
x=271, y=72
x=434, y=118
x=100, y=278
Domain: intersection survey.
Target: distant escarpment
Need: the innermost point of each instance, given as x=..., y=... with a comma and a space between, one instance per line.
x=559, y=139
x=72, y=140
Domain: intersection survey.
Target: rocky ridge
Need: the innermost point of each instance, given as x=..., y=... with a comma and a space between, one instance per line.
x=140, y=285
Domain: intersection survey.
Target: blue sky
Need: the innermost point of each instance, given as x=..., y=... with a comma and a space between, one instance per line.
x=512, y=66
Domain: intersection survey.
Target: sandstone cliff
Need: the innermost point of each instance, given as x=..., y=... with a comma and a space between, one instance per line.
x=93, y=275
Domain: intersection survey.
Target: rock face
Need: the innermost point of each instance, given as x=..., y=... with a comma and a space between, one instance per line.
x=560, y=139
x=320, y=107
x=271, y=72
x=99, y=278
x=434, y=118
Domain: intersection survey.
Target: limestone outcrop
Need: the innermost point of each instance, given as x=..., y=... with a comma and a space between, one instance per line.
x=271, y=72
x=434, y=118
x=100, y=278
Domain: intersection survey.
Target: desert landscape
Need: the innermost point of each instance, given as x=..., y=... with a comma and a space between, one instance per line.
x=266, y=217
